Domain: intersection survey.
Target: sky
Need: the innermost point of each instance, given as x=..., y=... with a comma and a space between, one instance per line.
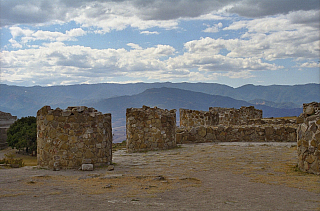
x=232, y=42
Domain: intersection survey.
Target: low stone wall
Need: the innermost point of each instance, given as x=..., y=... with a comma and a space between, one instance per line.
x=72, y=137
x=192, y=118
x=6, y=119
x=150, y=129
x=250, y=133
x=232, y=116
x=308, y=139
x=292, y=122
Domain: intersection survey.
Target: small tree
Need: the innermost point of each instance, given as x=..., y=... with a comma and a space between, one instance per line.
x=22, y=134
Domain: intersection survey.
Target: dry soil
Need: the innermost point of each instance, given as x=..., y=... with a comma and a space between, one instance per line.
x=210, y=176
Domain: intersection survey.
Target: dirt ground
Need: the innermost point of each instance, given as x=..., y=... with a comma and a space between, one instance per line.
x=210, y=176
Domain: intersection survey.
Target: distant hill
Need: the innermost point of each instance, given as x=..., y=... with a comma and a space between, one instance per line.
x=172, y=98
x=25, y=101
x=297, y=94
x=273, y=104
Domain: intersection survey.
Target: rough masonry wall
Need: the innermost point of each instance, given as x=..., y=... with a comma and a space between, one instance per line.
x=150, y=129
x=192, y=118
x=68, y=138
x=236, y=125
x=232, y=116
x=6, y=119
x=237, y=133
x=308, y=139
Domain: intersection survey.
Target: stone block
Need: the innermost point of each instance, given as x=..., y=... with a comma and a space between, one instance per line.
x=87, y=167
x=202, y=131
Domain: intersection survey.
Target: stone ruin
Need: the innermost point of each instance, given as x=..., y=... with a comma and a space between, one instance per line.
x=150, y=129
x=192, y=118
x=73, y=138
x=234, y=125
x=232, y=116
x=6, y=119
x=81, y=136
x=308, y=138
x=153, y=128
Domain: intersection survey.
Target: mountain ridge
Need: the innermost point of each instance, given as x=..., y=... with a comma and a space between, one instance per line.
x=24, y=101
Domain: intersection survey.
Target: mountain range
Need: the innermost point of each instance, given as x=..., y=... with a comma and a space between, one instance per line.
x=275, y=100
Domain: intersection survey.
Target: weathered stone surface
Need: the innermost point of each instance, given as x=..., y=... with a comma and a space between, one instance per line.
x=308, y=139
x=202, y=131
x=87, y=167
x=86, y=161
x=6, y=119
x=232, y=116
x=150, y=129
x=110, y=168
x=235, y=133
x=73, y=137
x=244, y=124
x=309, y=110
x=192, y=118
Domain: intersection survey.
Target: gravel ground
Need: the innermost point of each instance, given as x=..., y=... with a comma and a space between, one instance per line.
x=224, y=176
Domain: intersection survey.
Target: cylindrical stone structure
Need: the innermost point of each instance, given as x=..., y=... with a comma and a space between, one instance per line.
x=72, y=137
x=150, y=129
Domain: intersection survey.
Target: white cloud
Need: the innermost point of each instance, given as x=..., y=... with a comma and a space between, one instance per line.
x=80, y=63
x=213, y=29
x=15, y=44
x=205, y=61
x=17, y=32
x=107, y=16
x=22, y=36
x=310, y=64
x=76, y=32
x=277, y=38
x=149, y=32
x=134, y=46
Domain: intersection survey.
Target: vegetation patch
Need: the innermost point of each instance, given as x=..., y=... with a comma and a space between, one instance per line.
x=119, y=146
x=10, y=160
x=22, y=134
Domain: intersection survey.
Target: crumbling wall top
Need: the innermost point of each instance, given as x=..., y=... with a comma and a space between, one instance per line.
x=192, y=118
x=73, y=110
x=233, y=116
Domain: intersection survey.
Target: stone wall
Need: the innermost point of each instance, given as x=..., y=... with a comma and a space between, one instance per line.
x=150, y=129
x=192, y=118
x=278, y=121
x=232, y=116
x=308, y=139
x=6, y=119
x=72, y=137
x=233, y=125
x=237, y=133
